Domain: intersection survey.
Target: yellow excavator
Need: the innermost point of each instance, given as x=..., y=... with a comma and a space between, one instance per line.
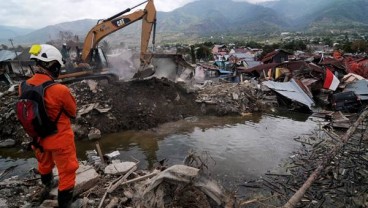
x=94, y=64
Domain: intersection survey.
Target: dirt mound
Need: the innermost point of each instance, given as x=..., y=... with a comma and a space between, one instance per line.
x=140, y=104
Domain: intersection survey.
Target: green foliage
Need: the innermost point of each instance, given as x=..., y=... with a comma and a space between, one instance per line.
x=327, y=41
x=294, y=45
x=315, y=40
x=253, y=44
x=208, y=44
x=203, y=53
x=359, y=46
x=356, y=46
x=268, y=48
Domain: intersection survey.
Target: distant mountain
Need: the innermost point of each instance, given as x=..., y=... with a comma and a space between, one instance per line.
x=208, y=16
x=213, y=17
x=52, y=32
x=7, y=32
x=293, y=9
x=322, y=14
x=342, y=14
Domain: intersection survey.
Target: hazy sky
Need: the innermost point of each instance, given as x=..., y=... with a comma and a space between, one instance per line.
x=36, y=14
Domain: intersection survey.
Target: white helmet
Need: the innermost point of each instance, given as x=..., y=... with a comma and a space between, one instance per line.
x=46, y=53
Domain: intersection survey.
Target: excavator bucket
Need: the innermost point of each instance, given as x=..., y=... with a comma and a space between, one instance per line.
x=170, y=66
x=144, y=71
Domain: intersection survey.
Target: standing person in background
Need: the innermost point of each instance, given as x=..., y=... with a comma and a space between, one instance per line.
x=58, y=148
x=65, y=52
x=79, y=54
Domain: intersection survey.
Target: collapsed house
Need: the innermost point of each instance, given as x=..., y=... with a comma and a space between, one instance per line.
x=14, y=66
x=320, y=78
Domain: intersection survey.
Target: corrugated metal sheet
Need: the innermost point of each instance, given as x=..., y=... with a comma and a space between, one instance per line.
x=360, y=88
x=291, y=90
x=6, y=55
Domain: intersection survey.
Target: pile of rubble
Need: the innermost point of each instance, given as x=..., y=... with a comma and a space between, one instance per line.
x=328, y=171
x=11, y=131
x=234, y=98
x=114, y=183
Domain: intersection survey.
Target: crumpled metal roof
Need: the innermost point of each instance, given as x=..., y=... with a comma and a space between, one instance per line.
x=6, y=55
x=360, y=88
x=291, y=90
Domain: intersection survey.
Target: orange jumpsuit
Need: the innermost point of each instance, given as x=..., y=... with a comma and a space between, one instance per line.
x=59, y=149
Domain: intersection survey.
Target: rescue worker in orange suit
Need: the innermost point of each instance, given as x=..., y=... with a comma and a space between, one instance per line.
x=58, y=149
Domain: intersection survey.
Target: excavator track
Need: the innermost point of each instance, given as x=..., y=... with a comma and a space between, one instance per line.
x=110, y=77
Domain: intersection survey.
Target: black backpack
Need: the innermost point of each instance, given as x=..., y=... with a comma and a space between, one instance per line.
x=31, y=112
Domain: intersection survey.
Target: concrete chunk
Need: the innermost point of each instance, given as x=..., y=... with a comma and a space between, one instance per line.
x=116, y=168
x=87, y=177
x=7, y=143
x=3, y=203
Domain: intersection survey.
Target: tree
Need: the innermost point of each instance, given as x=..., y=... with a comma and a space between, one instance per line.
x=346, y=47
x=268, y=49
x=295, y=45
x=328, y=41
x=203, y=52
x=315, y=40
x=208, y=44
x=359, y=46
x=253, y=44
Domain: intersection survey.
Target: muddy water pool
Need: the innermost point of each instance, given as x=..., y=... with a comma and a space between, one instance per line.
x=236, y=149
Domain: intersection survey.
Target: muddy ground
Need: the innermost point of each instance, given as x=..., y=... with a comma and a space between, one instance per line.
x=138, y=105
x=135, y=105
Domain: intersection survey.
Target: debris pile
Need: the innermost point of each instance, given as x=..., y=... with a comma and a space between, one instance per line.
x=178, y=185
x=233, y=98
x=11, y=131
x=332, y=164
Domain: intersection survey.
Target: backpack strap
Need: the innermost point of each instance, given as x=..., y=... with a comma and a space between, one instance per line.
x=47, y=84
x=41, y=90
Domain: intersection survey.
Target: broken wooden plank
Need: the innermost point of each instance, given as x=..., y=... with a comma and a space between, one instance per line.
x=295, y=199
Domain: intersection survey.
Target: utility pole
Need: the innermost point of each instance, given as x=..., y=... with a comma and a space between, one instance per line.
x=16, y=55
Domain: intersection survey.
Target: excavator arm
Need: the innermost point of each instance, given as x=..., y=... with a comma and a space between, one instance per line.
x=92, y=57
x=119, y=21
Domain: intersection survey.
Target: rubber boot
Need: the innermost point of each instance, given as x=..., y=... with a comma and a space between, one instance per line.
x=47, y=179
x=65, y=198
x=48, y=183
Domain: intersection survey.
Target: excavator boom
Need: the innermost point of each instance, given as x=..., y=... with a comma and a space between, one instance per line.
x=117, y=22
x=92, y=57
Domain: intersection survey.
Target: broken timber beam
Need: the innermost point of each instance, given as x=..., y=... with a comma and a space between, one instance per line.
x=298, y=195
x=113, y=187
